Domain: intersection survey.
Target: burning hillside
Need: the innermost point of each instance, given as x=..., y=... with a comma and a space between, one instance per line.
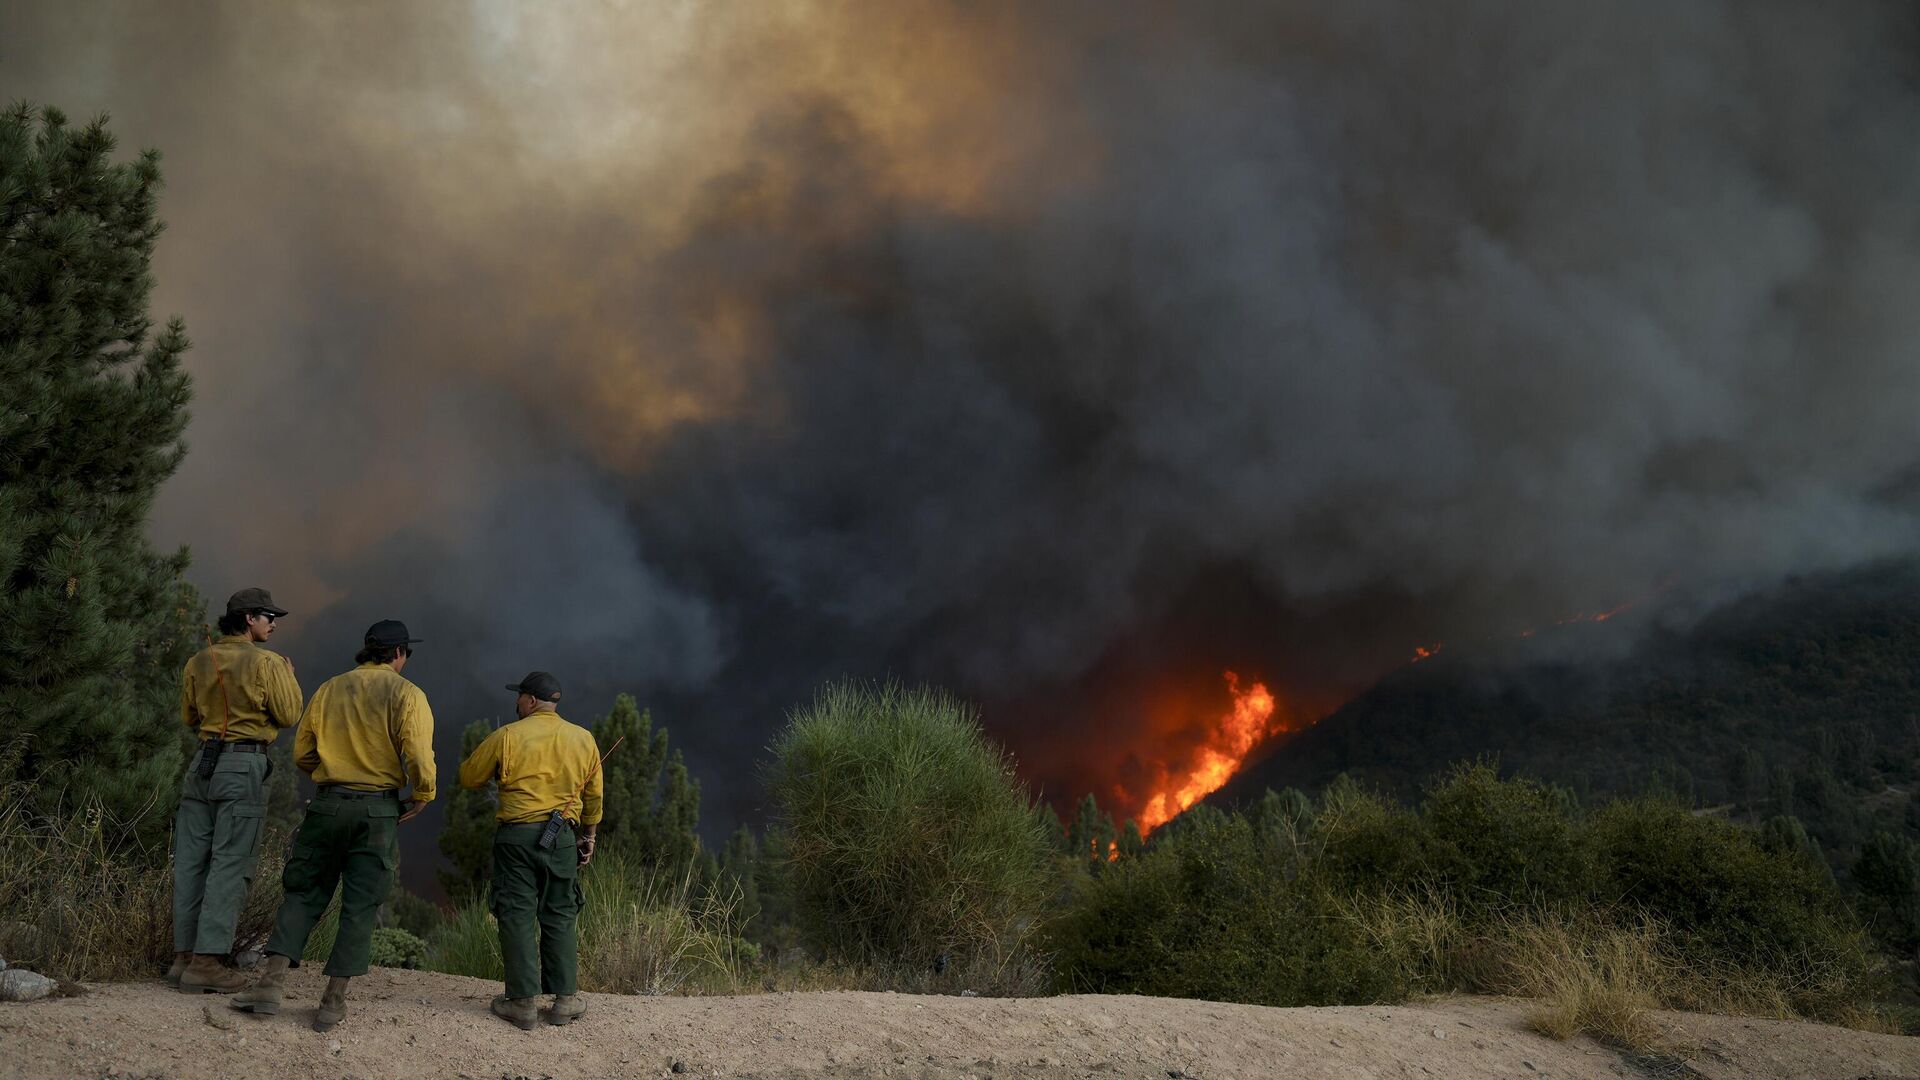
x=711, y=352
x=1223, y=747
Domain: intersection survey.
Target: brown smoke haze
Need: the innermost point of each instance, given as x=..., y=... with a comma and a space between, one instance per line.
x=1064, y=354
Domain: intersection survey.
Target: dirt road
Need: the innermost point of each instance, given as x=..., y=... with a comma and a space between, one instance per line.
x=407, y=1025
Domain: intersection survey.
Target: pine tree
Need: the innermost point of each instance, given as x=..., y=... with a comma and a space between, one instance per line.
x=94, y=625
x=652, y=806
x=1748, y=778
x=1092, y=836
x=776, y=929
x=467, y=839
x=740, y=866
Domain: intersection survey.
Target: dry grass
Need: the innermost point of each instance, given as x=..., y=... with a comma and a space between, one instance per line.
x=1592, y=975
x=1422, y=939
x=1586, y=977
x=639, y=934
x=646, y=933
x=74, y=906
x=83, y=902
x=1603, y=981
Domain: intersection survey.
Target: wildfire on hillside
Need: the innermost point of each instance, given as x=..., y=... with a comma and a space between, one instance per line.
x=1254, y=717
x=1423, y=652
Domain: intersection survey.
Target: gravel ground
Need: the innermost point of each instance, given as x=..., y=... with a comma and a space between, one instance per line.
x=424, y=1026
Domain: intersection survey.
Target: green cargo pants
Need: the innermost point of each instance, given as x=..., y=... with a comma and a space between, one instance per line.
x=348, y=839
x=536, y=900
x=216, y=835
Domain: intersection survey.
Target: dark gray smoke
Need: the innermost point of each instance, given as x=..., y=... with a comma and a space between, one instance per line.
x=1063, y=354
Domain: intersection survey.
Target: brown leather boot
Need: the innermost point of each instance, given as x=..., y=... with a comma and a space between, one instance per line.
x=566, y=1009
x=205, y=974
x=180, y=962
x=333, y=1004
x=520, y=1012
x=265, y=995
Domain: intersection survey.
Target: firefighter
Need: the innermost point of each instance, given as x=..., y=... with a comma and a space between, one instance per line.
x=366, y=734
x=548, y=772
x=236, y=696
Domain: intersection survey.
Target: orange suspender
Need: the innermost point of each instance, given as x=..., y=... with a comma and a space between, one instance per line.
x=226, y=704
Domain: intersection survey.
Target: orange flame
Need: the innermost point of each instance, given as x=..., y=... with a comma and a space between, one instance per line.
x=1232, y=737
x=1423, y=652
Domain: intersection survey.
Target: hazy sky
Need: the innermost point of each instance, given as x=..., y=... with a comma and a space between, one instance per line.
x=1062, y=354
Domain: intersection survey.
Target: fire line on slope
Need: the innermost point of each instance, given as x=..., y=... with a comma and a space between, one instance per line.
x=1232, y=736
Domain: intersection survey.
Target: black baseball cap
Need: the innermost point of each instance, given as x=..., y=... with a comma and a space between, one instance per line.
x=389, y=632
x=540, y=684
x=253, y=600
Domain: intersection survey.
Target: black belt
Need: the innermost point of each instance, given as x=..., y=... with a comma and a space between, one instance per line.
x=241, y=746
x=338, y=792
x=541, y=824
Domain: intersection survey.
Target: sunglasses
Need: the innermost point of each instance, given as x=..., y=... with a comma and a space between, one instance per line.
x=269, y=617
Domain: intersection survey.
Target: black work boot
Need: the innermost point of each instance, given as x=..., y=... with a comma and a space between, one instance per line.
x=333, y=1004
x=265, y=995
x=522, y=1013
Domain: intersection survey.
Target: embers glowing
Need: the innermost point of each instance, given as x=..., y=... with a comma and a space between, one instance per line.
x=1423, y=652
x=1232, y=737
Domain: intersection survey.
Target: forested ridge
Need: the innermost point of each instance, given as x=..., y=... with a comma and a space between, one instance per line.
x=1796, y=707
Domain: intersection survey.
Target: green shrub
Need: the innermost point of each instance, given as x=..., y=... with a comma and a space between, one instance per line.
x=1729, y=903
x=1494, y=886
x=1363, y=842
x=1499, y=844
x=396, y=948
x=909, y=838
x=415, y=914
x=1218, y=914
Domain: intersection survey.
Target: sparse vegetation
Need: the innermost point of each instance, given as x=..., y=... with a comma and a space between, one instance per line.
x=467, y=943
x=642, y=932
x=83, y=900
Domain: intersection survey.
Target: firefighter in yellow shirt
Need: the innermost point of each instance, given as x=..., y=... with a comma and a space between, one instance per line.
x=366, y=734
x=236, y=696
x=548, y=772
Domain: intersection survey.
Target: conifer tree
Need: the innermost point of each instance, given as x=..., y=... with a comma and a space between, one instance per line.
x=1091, y=836
x=740, y=866
x=467, y=839
x=652, y=806
x=94, y=625
x=773, y=889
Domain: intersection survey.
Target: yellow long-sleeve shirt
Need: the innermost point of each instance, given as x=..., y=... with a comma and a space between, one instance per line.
x=236, y=683
x=543, y=764
x=368, y=729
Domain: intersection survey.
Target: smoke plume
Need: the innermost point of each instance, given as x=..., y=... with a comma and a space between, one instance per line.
x=1063, y=354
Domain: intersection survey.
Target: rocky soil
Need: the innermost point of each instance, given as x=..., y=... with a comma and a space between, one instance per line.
x=408, y=1025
